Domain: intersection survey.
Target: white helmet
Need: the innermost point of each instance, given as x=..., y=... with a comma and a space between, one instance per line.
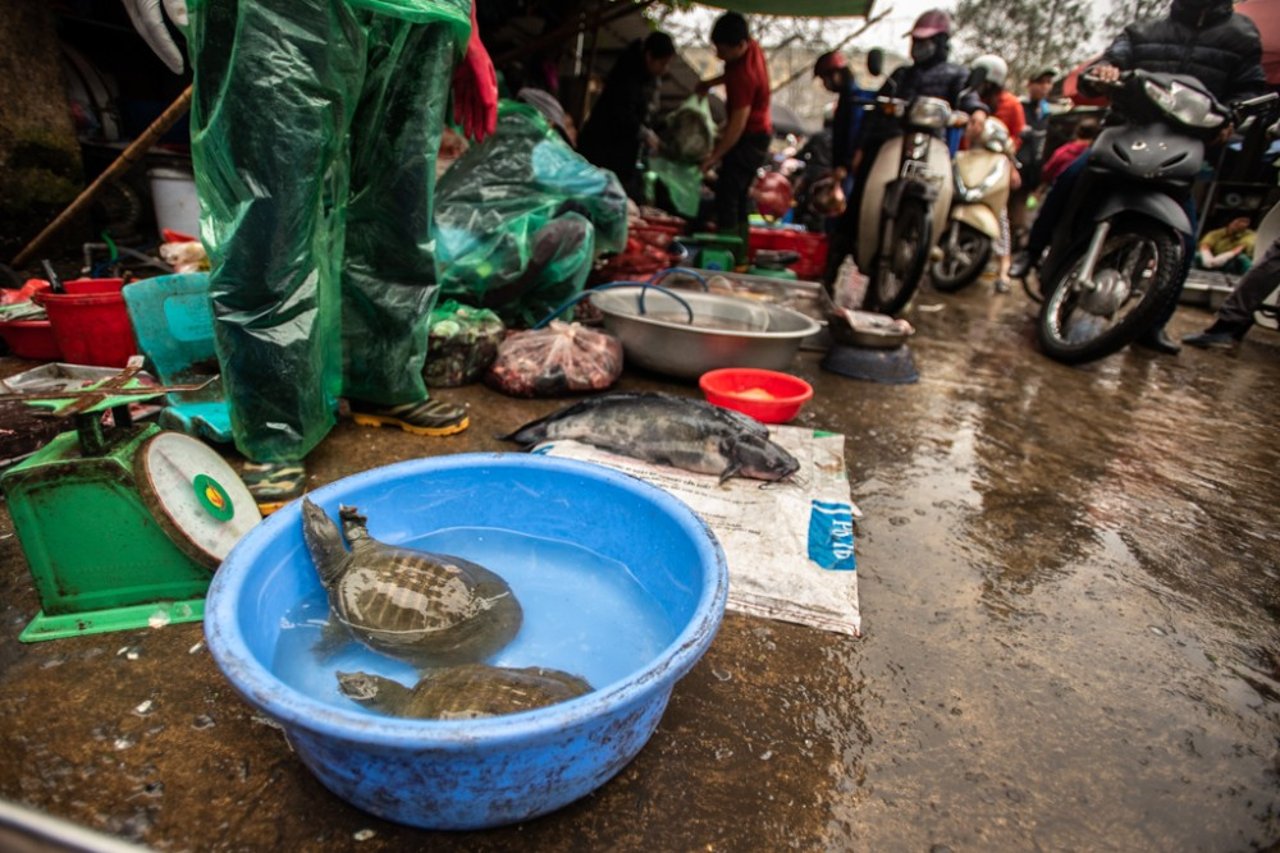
x=996, y=68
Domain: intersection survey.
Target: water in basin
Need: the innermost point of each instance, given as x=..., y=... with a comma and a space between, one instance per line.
x=584, y=613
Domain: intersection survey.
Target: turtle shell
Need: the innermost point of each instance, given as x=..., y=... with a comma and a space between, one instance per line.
x=465, y=692
x=428, y=608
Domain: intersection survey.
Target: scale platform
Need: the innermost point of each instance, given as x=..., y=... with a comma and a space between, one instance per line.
x=122, y=526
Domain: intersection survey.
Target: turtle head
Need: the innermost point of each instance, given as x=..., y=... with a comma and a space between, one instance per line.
x=359, y=686
x=324, y=542
x=371, y=690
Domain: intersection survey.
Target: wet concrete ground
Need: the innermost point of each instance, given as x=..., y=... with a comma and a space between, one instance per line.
x=1069, y=583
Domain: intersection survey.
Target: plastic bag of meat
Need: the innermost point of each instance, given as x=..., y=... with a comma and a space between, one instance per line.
x=564, y=358
x=461, y=345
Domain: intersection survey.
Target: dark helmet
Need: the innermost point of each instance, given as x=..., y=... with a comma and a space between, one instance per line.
x=930, y=24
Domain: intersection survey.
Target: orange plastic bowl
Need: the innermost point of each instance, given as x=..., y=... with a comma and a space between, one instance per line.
x=766, y=395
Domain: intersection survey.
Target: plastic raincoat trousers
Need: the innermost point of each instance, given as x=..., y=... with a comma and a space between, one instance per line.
x=315, y=127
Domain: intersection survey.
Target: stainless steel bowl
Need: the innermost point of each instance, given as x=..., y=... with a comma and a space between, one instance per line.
x=723, y=331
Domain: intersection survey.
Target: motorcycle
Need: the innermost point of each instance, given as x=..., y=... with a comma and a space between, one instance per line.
x=1116, y=260
x=982, y=183
x=905, y=202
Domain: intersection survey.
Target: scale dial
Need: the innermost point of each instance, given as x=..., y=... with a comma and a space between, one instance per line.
x=194, y=495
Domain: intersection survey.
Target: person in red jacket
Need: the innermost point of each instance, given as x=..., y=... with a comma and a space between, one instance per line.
x=743, y=144
x=1066, y=153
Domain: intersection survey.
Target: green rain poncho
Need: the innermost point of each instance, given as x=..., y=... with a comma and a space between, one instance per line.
x=315, y=127
x=520, y=218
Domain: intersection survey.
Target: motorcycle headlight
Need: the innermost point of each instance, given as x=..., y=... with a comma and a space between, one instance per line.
x=975, y=194
x=995, y=136
x=929, y=112
x=1184, y=104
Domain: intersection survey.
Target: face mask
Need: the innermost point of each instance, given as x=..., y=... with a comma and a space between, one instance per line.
x=923, y=50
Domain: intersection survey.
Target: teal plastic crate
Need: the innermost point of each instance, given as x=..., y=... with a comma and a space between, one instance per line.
x=172, y=317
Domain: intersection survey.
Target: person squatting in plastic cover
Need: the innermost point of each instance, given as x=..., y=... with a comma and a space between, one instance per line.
x=315, y=126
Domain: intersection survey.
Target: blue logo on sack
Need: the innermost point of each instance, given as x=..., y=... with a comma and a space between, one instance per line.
x=831, y=536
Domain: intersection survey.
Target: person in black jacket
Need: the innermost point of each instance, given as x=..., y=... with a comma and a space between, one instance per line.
x=929, y=74
x=1205, y=39
x=618, y=124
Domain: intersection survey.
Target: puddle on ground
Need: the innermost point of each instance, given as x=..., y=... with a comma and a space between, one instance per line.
x=1070, y=587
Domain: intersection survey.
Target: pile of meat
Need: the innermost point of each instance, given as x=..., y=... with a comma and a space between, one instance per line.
x=564, y=358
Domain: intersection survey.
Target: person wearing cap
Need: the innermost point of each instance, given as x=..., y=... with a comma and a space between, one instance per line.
x=619, y=120
x=1035, y=109
x=1205, y=39
x=743, y=144
x=929, y=74
x=837, y=77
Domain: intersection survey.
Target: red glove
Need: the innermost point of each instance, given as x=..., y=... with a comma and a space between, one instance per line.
x=475, y=88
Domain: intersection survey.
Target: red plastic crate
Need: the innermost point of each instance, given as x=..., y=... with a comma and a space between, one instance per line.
x=811, y=247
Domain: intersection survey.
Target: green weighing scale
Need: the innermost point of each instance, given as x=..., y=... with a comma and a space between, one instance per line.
x=122, y=526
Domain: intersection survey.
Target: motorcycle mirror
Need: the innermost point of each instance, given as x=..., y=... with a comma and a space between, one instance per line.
x=875, y=62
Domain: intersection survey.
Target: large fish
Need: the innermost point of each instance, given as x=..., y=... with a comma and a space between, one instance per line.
x=677, y=431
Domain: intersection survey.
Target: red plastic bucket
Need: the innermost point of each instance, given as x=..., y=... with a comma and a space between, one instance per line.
x=90, y=322
x=31, y=339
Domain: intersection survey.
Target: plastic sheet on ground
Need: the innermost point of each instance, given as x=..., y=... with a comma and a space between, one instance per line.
x=790, y=546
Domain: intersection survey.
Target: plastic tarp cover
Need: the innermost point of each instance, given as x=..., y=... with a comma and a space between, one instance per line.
x=689, y=132
x=683, y=182
x=520, y=217
x=797, y=8
x=315, y=127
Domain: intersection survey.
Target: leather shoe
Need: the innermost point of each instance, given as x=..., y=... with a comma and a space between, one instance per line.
x=1160, y=342
x=1021, y=266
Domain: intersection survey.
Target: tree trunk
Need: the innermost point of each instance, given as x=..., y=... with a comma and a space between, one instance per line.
x=40, y=168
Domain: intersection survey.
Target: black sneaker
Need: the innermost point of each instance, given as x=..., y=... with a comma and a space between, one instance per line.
x=1209, y=339
x=425, y=417
x=274, y=484
x=1022, y=265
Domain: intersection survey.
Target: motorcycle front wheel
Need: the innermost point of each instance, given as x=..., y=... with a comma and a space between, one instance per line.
x=903, y=253
x=1135, y=278
x=966, y=251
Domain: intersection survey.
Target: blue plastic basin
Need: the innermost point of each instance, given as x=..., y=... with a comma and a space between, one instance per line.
x=472, y=774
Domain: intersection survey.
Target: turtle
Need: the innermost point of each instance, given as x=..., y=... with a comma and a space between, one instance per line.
x=464, y=692
x=428, y=609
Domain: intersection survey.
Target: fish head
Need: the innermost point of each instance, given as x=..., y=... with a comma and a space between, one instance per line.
x=358, y=686
x=760, y=459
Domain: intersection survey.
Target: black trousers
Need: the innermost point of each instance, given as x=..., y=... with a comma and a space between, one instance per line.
x=1236, y=314
x=844, y=239
x=733, y=184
